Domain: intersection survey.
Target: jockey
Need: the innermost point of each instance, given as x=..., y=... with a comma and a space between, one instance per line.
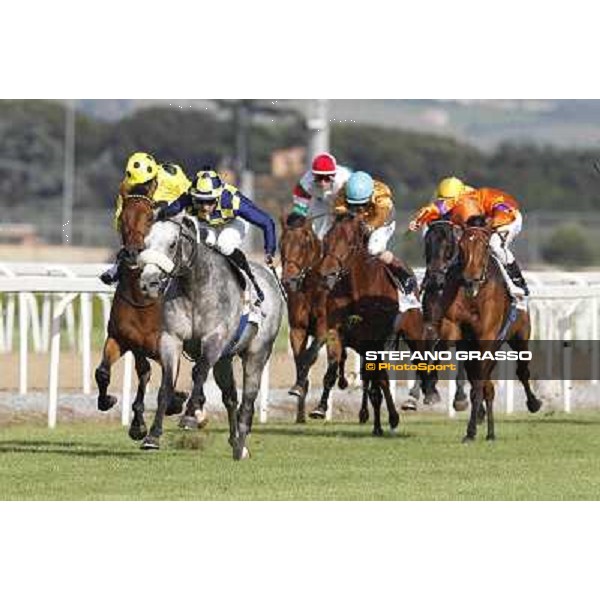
x=315, y=193
x=500, y=209
x=161, y=183
x=225, y=212
x=373, y=200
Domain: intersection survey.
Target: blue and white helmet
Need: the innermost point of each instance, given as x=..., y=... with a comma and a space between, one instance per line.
x=359, y=188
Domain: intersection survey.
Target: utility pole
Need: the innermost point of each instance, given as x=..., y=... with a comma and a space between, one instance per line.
x=317, y=123
x=69, y=174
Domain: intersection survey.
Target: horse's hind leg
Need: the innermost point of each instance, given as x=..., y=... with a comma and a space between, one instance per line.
x=195, y=416
x=476, y=400
x=223, y=372
x=254, y=365
x=533, y=404
x=110, y=355
x=137, y=429
x=488, y=394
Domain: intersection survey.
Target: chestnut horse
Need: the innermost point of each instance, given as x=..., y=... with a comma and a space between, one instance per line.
x=362, y=312
x=135, y=321
x=480, y=316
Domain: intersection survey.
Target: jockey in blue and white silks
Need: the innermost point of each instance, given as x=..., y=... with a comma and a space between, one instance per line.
x=225, y=213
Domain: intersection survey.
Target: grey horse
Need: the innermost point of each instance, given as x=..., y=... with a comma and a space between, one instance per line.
x=203, y=305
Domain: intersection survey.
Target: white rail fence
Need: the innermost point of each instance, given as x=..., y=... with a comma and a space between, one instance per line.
x=564, y=306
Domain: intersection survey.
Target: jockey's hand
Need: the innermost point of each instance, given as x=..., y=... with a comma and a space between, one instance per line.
x=413, y=226
x=269, y=260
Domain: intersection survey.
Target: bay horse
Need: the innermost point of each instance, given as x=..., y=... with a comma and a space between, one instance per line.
x=480, y=316
x=362, y=312
x=300, y=250
x=135, y=320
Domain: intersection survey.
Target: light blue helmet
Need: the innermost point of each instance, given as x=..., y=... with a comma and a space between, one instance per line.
x=359, y=188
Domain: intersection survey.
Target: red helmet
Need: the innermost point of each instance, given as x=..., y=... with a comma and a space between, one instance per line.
x=324, y=164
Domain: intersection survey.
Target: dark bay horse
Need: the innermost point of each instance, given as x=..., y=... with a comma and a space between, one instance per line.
x=480, y=316
x=300, y=250
x=135, y=320
x=441, y=253
x=362, y=312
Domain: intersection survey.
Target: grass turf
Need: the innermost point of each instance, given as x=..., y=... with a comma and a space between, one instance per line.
x=547, y=457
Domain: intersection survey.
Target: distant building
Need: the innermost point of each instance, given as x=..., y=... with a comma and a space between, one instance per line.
x=288, y=162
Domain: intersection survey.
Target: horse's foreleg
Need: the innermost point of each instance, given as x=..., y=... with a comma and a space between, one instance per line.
x=488, y=394
x=342, y=381
x=474, y=373
x=363, y=413
x=137, y=429
x=376, y=400
x=170, y=356
x=298, y=341
x=460, y=402
x=393, y=416
x=110, y=355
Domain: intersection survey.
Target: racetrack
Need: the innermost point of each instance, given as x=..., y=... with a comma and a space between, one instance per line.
x=550, y=456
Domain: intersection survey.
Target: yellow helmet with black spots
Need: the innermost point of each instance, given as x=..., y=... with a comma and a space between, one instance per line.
x=141, y=168
x=207, y=186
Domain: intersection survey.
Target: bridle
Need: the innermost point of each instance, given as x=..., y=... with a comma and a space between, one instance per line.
x=480, y=235
x=296, y=282
x=333, y=278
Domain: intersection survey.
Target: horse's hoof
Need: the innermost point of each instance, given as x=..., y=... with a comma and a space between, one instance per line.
x=297, y=391
x=490, y=438
x=106, y=403
x=460, y=396
x=363, y=417
x=415, y=393
x=300, y=419
x=201, y=418
x=343, y=383
x=534, y=405
x=432, y=398
x=150, y=443
x=377, y=433
x=137, y=433
x=241, y=453
x=409, y=405
x=188, y=423
x=317, y=413
x=460, y=405
x=175, y=404
x=468, y=439
x=394, y=422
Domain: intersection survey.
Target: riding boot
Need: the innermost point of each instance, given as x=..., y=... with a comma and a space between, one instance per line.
x=239, y=259
x=403, y=273
x=514, y=272
x=112, y=275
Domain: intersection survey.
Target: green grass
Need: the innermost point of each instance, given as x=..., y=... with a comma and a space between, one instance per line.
x=552, y=457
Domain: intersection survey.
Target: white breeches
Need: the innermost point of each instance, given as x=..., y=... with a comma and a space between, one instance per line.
x=503, y=237
x=226, y=238
x=379, y=239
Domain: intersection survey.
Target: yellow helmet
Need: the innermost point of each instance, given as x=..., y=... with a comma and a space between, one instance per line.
x=141, y=168
x=450, y=188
